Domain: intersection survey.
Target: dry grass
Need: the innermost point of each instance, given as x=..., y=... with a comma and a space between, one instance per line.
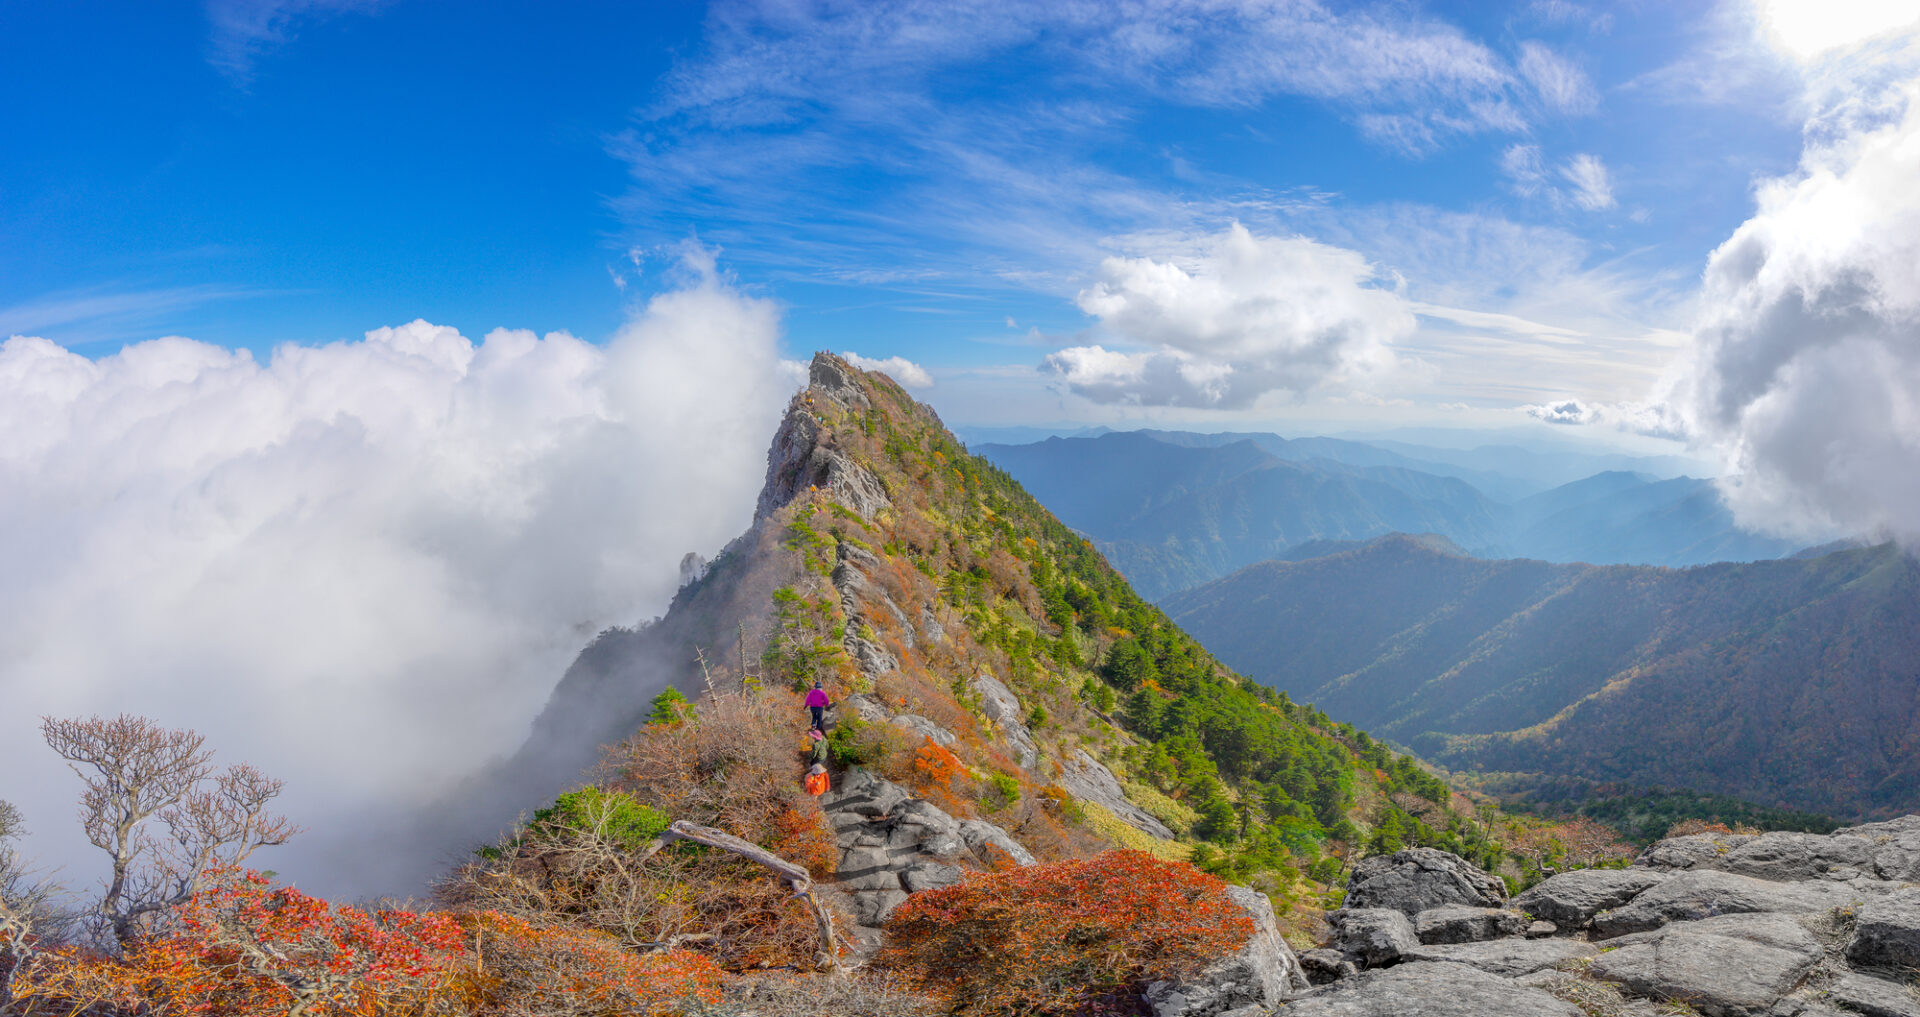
x=781, y=994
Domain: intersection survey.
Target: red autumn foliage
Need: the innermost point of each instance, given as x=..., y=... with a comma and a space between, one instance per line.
x=521, y=968
x=1060, y=938
x=246, y=947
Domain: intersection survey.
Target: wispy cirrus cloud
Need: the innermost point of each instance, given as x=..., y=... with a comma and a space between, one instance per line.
x=245, y=30
x=104, y=313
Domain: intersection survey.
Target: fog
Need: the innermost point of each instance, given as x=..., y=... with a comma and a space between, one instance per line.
x=359, y=566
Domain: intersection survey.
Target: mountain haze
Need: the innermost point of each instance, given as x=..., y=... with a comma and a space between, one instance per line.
x=1176, y=509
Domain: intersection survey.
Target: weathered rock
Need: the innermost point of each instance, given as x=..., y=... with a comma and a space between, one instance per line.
x=1324, y=966
x=1887, y=932
x=1541, y=929
x=1456, y=924
x=1263, y=973
x=1895, y=845
x=1875, y=997
x=1508, y=957
x=1087, y=779
x=1003, y=708
x=1571, y=899
x=1704, y=893
x=1375, y=937
x=869, y=657
x=1726, y=966
x=867, y=707
x=916, y=724
x=892, y=844
x=799, y=460
x=1420, y=879
x=862, y=599
x=1429, y=990
x=985, y=839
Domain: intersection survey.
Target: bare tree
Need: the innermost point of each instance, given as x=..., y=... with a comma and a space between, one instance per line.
x=28, y=915
x=136, y=771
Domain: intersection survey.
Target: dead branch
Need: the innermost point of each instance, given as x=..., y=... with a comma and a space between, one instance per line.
x=796, y=876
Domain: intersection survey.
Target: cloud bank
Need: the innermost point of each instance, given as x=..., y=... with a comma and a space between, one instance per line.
x=1231, y=319
x=900, y=369
x=1806, y=367
x=360, y=566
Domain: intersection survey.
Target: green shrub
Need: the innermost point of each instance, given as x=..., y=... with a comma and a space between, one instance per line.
x=611, y=815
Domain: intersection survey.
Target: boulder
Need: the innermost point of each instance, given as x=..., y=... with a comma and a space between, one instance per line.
x=1003, y=708
x=1703, y=893
x=1429, y=990
x=1541, y=930
x=1875, y=997
x=1324, y=966
x=1886, y=932
x=1420, y=879
x=1264, y=973
x=1726, y=966
x=1895, y=845
x=1375, y=937
x=1508, y=957
x=1571, y=899
x=988, y=842
x=1087, y=779
x=1456, y=924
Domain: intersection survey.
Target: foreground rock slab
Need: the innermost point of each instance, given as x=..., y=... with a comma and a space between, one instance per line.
x=1455, y=924
x=1373, y=937
x=1887, y=932
x=1508, y=957
x=1571, y=899
x=1726, y=966
x=1429, y=990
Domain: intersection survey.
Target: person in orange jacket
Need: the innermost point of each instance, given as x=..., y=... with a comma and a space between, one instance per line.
x=817, y=780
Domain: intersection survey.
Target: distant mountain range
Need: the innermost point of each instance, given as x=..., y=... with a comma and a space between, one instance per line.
x=1175, y=509
x=1792, y=682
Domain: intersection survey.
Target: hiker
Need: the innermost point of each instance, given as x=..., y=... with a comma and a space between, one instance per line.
x=817, y=780
x=817, y=702
x=816, y=747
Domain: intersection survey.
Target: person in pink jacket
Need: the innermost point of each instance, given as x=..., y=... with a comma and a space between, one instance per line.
x=817, y=702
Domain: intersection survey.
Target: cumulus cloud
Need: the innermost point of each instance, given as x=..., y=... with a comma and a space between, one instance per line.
x=360, y=566
x=1806, y=364
x=1655, y=420
x=900, y=369
x=1232, y=318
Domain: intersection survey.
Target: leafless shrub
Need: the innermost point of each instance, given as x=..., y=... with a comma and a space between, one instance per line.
x=781, y=994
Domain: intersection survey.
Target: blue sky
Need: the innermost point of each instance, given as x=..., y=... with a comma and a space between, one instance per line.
x=940, y=182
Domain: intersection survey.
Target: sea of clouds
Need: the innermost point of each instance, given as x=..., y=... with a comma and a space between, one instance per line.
x=359, y=566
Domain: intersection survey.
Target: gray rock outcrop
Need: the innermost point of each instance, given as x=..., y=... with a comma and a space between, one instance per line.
x=1087, y=779
x=1456, y=924
x=1571, y=899
x=1725, y=966
x=1886, y=933
x=1772, y=925
x=913, y=723
x=1430, y=990
x=1373, y=937
x=1003, y=708
x=1264, y=973
x=893, y=844
x=1421, y=879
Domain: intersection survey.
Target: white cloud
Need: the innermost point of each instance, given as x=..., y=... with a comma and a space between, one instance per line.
x=1810, y=29
x=1592, y=185
x=1231, y=318
x=900, y=369
x=1589, y=185
x=1560, y=84
x=360, y=566
x=1806, y=363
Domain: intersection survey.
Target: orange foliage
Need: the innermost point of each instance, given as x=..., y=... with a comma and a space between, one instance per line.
x=936, y=767
x=802, y=836
x=522, y=968
x=1060, y=938
x=249, y=949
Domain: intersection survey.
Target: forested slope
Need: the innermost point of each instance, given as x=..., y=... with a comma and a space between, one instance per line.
x=1793, y=682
